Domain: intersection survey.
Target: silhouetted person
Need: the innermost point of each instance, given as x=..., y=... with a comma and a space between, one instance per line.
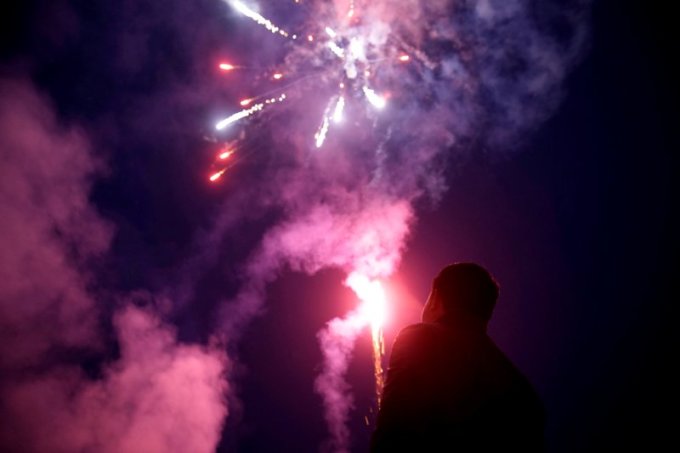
x=448, y=386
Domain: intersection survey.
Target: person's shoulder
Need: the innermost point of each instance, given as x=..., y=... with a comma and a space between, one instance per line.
x=418, y=335
x=414, y=345
x=421, y=329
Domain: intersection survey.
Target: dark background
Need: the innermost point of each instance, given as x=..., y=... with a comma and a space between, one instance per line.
x=578, y=226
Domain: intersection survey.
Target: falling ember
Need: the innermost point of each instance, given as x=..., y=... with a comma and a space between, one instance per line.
x=277, y=76
x=376, y=100
x=245, y=102
x=337, y=106
x=247, y=112
x=249, y=13
x=237, y=116
x=330, y=32
x=226, y=154
x=320, y=136
x=215, y=176
x=374, y=311
x=404, y=58
x=227, y=67
x=339, y=109
x=350, y=13
x=337, y=50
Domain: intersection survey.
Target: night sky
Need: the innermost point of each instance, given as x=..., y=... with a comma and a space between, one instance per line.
x=120, y=261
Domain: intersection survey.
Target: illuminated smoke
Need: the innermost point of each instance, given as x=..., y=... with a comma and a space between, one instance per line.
x=159, y=395
x=337, y=343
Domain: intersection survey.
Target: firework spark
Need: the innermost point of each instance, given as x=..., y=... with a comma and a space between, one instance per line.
x=227, y=67
x=339, y=110
x=247, y=112
x=215, y=176
x=226, y=154
x=238, y=116
x=257, y=17
x=376, y=100
x=358, y=52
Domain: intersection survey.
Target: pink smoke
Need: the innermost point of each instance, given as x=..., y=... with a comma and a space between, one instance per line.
x=362, y=235
x=354, y=232
x=159, y=395
x=47, y=229
x=337, y=341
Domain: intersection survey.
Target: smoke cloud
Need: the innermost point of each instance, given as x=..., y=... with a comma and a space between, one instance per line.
x=483, y=75
x=159, y=395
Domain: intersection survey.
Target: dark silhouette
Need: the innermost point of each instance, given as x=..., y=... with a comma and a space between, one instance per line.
x=448, y=386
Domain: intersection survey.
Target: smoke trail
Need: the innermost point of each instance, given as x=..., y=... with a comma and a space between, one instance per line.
x=159, y=395
x=337, y=343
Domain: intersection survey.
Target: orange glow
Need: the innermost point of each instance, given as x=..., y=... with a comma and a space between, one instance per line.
x=245, y=102
x=217, y=175
x=227, y=67
x=278, y=76
x=404, y=58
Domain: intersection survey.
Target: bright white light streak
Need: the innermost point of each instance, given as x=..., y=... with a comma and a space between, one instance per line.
x=376, y=100
x=339, y=110
x=320, y=136
x=357, y=49
x=249, y=13
x=215, y=176
x=247, y=112
x=337, y=50
x=238, y=116
x=330, y=32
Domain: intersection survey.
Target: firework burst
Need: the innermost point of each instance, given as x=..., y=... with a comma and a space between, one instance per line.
x=351, y=57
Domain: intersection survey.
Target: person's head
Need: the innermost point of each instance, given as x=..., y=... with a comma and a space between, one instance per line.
x=463, y=291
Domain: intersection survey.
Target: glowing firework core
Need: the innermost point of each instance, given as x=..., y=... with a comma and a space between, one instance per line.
x=373, y=311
